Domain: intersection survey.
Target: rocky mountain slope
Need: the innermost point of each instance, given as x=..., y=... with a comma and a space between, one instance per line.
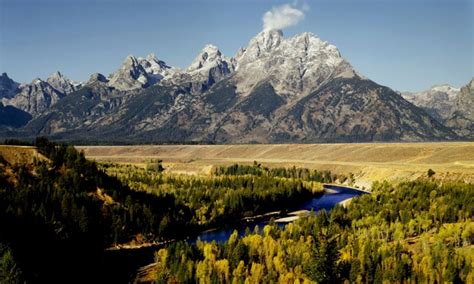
x=8, y=87
x=37, y=96
x=450, y=106
x=277, y=89
x=462, y=116
x=438, y=101
x=12, y=117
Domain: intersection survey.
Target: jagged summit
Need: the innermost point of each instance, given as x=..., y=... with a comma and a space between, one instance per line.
x=8, y=87
x=446, y=88
x=136, y=73
x=97, y=77
x=207, y=68
x=260, y=45
x=152, y=57
x=130, y=75
x=61, y=83
x=156, y=69
x=56, y=74
x=210, y=56
x=37, y=81
x=296, y=65
x=35, y=97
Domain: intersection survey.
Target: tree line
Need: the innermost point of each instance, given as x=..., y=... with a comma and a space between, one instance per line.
x=291, y=173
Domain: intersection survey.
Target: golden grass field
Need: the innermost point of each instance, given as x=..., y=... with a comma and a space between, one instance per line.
x=19, y=154
x=367, y=161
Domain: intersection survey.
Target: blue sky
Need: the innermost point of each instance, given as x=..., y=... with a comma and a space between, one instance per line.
x=403, y=44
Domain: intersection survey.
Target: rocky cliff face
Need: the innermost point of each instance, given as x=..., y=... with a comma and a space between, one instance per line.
x=62, y=84
x=38, y=96
x=451, y=106
x=462, y=116
x=438, y=101
x=131, y=75
x=8, y=87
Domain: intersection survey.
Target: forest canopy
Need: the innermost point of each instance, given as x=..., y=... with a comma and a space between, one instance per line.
x=419, y=232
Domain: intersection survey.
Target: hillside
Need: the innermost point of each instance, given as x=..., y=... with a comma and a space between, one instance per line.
x=20, y=154
x=55, y=219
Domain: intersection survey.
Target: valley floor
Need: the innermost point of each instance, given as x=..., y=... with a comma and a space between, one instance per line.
x=367, y=161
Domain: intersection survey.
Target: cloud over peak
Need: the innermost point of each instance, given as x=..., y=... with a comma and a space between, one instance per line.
x=281, y=17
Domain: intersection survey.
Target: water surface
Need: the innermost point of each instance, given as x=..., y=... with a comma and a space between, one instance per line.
x=326, y=201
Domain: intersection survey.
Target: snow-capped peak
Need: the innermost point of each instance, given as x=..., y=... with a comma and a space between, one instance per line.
x=445, y=88
x=37, y=81
x=97, y=77
x=153, y=66
x=268, y=39
x=210, y=56
x=260, y=45
x=140, y=72
x=131, y=75
x=152, y=57
x=130, y=60
x=296, y=65
x=56, y=75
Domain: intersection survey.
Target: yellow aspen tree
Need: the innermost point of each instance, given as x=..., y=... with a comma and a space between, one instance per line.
x=203, y=272
x=239, y=273
x=222, y=269
x=257, y=273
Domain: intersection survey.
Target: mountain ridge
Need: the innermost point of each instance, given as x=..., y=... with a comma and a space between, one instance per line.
x=274, y=90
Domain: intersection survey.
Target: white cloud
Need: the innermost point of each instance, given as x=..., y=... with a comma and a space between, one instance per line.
x=283, y=16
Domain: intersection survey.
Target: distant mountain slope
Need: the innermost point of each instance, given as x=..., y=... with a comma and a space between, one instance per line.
x=13, y=117
x=438, y=101
x=346, y=109
x=8, y=87
x=451, y=106
x=462, y=117
x=355, y=109
x=37, y=96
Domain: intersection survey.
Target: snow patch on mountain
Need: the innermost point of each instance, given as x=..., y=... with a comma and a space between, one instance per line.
x=296, y=65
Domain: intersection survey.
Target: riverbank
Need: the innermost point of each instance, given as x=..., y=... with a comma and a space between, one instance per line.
x=293, y=216
x=333, y=195
x=346, y=202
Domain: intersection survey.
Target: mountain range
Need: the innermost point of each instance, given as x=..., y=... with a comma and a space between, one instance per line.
x=453, y=107
x=275, y=90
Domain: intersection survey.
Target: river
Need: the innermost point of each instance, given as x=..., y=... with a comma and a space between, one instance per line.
x=121, y=265
x=334, y=195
